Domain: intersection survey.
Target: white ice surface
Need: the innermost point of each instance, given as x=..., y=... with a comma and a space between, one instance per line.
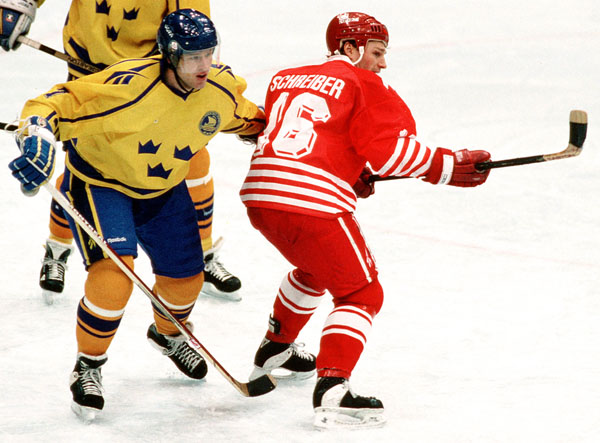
x=490, y=331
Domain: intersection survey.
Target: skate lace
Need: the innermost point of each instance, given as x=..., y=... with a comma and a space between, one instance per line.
x=54, y=269
x=91, y=380
x=184, y=354
x=218, y=270
x=299, y=352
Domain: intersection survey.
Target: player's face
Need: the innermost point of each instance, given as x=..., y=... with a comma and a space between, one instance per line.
x=373, y=58
x=193, y=68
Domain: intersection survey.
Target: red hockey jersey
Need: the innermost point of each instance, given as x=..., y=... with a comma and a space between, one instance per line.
x=324, y=123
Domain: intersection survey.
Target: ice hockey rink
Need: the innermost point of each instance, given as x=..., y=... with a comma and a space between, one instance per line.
x=490, y=329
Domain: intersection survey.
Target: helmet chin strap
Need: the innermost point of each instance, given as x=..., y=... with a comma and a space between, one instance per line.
x=180, y=82
x=361, y=51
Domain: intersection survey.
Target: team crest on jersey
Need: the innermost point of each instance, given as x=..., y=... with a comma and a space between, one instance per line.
x=210, y=122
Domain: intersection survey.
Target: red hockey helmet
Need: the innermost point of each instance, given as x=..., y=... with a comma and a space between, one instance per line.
x=354, y=26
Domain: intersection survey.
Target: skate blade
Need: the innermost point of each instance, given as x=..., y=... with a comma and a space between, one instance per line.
x=209, y=290
x=336, y=418
x=49, y=296
x=281, y=374
x=84, y=413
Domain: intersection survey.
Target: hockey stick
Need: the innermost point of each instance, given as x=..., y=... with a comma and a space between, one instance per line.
x=577, y=133
x=253, y=388
x=61, y=55
x=9, y=127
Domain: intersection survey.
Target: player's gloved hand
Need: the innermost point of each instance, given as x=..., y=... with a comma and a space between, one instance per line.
x=464, y=173
x=457, y=168
x=36, y=164
x=16, y=16
x=363, y=188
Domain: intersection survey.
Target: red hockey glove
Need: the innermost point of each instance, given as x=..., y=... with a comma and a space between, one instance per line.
x=464, y=173
x=457, y=168
x=362, y=187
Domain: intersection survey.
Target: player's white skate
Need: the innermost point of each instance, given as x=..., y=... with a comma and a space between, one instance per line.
x=54, y=266
x=284, y=361
x=336, y=406
x=218, y=281
x=187, y=359
x=86, y=386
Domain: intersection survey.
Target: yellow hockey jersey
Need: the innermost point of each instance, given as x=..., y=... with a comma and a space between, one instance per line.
x=102, y=32
x=126, y=129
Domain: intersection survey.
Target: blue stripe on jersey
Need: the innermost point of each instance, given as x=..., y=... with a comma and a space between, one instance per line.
x=118, y=108
x=225, y=90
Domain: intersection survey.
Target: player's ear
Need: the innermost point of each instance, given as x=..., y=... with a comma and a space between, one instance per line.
x=350, y=50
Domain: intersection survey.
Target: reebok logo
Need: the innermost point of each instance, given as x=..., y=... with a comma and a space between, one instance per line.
x=116, y=240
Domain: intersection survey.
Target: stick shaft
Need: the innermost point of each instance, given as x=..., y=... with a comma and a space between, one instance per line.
x=8, y=127
x=89, y=229
x=577, y=134
x=61, y=55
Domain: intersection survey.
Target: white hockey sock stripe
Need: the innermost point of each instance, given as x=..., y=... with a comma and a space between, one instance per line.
x=199, y=181
x=350, y=321
x=298, y=298
x=107, y=313
x=173, y=307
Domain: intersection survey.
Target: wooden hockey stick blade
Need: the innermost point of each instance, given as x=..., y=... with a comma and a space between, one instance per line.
x=61, y=55
x=254, y=388
x=577, y=132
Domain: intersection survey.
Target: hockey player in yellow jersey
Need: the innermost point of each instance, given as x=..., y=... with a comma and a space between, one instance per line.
x=130, y=132
x=101, y=33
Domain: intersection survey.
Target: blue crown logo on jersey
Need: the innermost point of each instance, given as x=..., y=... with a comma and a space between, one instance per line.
x=130, y=15
x=158, y=171
x=183, y=154
x=148, y=148
x=112, y=33
x=210, y=122
x=102, y=8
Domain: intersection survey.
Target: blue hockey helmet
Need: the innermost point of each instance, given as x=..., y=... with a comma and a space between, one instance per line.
x=185, y=31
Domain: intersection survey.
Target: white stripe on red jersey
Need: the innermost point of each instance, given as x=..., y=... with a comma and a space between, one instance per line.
x=293, y=183
x=409, y=159
x=317, y=142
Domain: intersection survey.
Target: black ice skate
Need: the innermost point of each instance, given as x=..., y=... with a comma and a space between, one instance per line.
x=86, y=386
x=54, y=266
x=283, y=361
x=176, y=348
x=337, y=406
x=218, y=281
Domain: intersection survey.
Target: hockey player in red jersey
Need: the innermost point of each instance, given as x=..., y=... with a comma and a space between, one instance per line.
x=326, y=125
